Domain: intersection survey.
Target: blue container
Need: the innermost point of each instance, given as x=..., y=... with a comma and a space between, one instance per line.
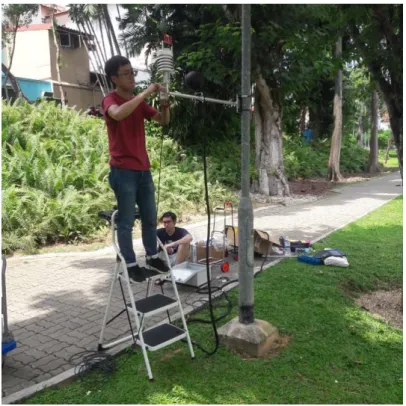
x=7, y=347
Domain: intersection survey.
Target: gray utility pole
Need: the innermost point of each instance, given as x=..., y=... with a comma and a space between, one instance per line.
x=244, y=334
x=245, y=211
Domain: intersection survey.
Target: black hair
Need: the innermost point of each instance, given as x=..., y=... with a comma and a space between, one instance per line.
x=168, y=214
x=114, y=64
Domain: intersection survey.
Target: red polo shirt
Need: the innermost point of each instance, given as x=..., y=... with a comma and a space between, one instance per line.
x=127, y=137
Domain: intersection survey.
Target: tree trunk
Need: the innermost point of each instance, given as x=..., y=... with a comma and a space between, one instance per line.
x=393, y=96
x=360, y=131
x=98, y=55
x=394, y=104
x=13, y=80
x=106, y=24
x=11, y=57
x=396, y=123
x=302, y=120
x=103, y=51
x=390, y=140
x=58, y=58
x=268, y=141
x=99, y=77
x=373, y=165
x=111, y=28
x=97, y=45
x=315, y=120
x=98, y=58
x=334, y=173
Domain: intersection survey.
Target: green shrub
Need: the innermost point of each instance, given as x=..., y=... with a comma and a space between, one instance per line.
x=311, y=160
x=55, y=170
x=383, y=138
x=54, y=174
x=353, y=157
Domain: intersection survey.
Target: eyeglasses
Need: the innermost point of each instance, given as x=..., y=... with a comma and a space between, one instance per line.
x=167, y=222
x=129, y=73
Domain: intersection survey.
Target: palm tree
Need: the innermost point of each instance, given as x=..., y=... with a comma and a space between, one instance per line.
x=82, y=15
x=110, y=28
x=58, y=55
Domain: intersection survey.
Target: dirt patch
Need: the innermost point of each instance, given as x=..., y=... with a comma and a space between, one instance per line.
x=385, y=304
x=274, y=351
x=170, y=354
x=277, y=347
x=315, y=187
x=321, y=186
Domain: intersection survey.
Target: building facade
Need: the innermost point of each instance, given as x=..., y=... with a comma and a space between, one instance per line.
x=34, y=62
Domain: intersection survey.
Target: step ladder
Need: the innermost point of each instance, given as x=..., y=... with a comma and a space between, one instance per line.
x=153, y=338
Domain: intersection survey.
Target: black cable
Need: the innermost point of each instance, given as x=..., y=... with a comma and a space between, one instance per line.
x=205, y=302
x=159, y=173
x=209, y=289
x=93, y=360
x=263, y=262
x=206, y=190
x=262, y=266
x=228, y=311
x=213, y=321
x=88, y=361
x=201, y=288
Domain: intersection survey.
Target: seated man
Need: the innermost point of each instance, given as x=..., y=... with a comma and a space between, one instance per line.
x=175, y=239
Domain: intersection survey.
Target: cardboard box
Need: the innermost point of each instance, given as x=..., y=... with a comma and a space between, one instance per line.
x=229, y=231
x=263, y=242
x=198, y=254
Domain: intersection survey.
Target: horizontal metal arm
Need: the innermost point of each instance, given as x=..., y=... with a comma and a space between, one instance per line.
x=204, y=99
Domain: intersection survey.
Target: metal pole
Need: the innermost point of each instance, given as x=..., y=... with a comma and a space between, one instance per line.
x=203, y=99
x=245, y=211
x=7, y=334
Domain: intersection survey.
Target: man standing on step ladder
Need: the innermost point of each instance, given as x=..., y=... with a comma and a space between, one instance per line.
x=130, y=176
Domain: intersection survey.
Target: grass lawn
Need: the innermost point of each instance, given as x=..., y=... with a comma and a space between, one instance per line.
x=337, y=353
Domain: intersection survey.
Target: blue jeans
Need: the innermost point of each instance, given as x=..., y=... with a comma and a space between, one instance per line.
x=134, y=187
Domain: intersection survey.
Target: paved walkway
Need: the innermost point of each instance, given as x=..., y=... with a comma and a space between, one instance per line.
x=56, y=302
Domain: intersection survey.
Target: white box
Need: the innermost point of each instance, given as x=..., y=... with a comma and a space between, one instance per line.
x=190, y=273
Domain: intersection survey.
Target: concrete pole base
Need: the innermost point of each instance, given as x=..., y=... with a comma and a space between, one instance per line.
x=253, y=340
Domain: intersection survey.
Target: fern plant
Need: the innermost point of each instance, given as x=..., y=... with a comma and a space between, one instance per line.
x=55, y=171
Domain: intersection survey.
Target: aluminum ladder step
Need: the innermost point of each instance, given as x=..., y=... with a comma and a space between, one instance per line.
x=161, y=336
x=153, y=304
